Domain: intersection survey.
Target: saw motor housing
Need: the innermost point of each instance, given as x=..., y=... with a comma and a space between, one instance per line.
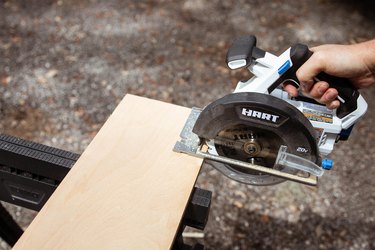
x=271, y=71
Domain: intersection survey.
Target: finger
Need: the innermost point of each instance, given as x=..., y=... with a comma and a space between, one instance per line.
x=329, y=96
x=290, y=89
x=306, y=86
x=333, y=105
x=318, y=89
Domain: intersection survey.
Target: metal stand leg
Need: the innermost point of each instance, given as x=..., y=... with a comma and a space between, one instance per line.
x=10, y=231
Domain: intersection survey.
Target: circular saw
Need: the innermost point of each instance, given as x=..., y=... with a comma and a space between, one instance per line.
x=258, y=134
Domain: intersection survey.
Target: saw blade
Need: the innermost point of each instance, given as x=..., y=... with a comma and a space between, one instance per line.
x=252, y=145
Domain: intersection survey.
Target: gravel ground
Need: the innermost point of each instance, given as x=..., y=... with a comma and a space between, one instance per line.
x=65, y=65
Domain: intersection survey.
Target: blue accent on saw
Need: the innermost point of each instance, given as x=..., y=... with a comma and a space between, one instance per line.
x=284, y=67
x=327, y=164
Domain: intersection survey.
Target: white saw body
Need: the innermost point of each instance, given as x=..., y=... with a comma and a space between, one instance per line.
x=268, y=69
x=258, y=134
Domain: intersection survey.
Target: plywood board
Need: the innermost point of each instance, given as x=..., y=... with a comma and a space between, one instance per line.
x=128, y=190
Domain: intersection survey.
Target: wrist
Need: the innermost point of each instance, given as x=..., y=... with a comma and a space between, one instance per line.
x=368, y=55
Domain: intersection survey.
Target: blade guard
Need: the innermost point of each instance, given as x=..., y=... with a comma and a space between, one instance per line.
x=260, y=111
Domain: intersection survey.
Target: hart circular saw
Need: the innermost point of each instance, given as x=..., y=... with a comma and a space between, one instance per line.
x=258, y=134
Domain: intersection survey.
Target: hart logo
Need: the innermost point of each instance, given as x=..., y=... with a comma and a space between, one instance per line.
x=260, y=115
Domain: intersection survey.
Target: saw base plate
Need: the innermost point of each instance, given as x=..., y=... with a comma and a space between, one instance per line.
x=191, y=144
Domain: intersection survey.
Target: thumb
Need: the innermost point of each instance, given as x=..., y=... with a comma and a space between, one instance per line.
x=311, y=68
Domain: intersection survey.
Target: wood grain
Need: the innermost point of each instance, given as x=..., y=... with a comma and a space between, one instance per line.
x=128, y=190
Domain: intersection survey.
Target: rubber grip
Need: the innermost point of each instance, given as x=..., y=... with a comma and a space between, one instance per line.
x=347, y=93
x=241, y=49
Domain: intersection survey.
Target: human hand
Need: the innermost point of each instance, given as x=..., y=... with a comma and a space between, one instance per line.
x=354, y=62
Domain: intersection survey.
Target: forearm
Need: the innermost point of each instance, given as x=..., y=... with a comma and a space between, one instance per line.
x=367, y=52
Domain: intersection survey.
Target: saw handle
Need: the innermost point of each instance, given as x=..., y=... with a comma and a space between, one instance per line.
x=347, y=93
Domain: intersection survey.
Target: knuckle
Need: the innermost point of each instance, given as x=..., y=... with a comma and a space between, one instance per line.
x=315, y=95
x=301, y=75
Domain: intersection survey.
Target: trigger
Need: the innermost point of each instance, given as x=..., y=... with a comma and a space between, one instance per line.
x=292, y=82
